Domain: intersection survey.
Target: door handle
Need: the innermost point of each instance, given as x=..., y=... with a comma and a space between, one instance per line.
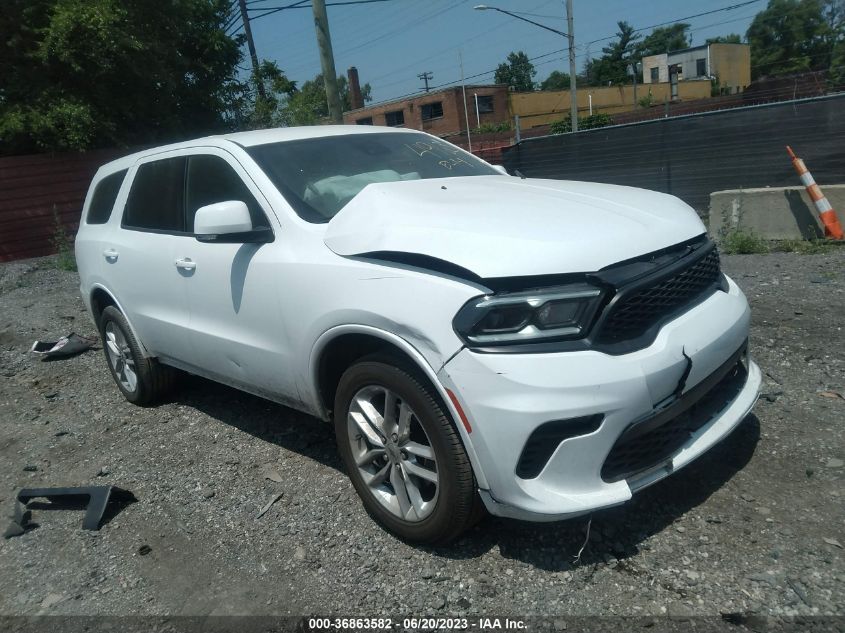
x=186, y=264
x=110, y=254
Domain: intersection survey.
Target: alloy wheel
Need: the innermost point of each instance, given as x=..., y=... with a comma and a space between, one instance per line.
x=393, y=453
x=120, y=357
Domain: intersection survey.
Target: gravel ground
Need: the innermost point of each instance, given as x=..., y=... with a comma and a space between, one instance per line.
x=754, y=528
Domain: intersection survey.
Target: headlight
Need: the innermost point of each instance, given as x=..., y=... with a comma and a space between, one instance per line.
x=564, y=312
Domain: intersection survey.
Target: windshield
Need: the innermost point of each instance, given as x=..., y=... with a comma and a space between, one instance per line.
x=318, y=176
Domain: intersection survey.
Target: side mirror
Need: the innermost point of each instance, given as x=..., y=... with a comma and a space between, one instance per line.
x=228, y=222
x=501, y=170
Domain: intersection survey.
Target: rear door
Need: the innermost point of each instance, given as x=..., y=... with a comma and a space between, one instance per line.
x=141, y=259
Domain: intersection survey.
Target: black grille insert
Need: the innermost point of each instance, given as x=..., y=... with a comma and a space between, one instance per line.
x=547, y=437
x=636, y=452
x=636, y=312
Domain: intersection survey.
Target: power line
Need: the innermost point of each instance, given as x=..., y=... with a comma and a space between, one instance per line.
x=443, y=52
x=538, y=15
x=403, y=28
x=300, y=55
x=688, y=17
x=301, y=5
x=595, y=41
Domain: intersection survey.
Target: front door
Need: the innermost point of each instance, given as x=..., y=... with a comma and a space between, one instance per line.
x=235, y=313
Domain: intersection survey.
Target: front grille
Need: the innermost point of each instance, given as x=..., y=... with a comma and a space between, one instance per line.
x=635, y=313
x=650, y=449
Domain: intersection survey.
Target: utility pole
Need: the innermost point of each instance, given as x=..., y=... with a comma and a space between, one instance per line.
x=425, y=77
x=570, y=36
x=252, y=54
x=324, y=42
x=634, y=73
x=464, y=90
x=573, y=89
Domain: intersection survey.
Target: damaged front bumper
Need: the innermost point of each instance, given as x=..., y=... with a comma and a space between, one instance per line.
x=600, y=427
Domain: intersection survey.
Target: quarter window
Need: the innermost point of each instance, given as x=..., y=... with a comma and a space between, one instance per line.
x=156, y=199
x=210, y=180
x=105, y=195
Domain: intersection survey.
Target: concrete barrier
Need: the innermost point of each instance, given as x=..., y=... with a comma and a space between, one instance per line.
x=773, y=213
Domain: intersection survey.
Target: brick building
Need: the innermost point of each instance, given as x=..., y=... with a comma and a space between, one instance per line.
x=438, y=112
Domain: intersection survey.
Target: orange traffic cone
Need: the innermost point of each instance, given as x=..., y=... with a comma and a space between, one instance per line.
x=827, y=215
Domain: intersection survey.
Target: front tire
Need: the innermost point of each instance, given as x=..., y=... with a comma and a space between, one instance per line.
x=141, y=380
x=403, y=454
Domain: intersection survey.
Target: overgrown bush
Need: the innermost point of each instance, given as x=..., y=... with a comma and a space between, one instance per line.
x=564, y=126
x=647, y=101
x=736, y=240
x=739, y=242
x=492, y=128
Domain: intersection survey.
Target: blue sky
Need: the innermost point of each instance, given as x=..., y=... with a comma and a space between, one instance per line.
x=392, y=42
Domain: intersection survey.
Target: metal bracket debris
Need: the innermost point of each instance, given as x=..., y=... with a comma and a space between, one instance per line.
x=95, y=498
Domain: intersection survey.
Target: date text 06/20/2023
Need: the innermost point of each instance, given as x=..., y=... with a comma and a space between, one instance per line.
x=412, y=623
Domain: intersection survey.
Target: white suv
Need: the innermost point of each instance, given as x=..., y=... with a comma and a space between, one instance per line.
x=539, y=348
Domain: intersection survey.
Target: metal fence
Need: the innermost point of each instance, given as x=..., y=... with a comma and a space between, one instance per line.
x=692, y=156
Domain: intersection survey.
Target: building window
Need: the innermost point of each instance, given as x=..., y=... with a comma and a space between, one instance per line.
x=432, y=111
x=700, y=67
x=485, y=104
x=655, y=75
x=395, y=118
x=365, y=121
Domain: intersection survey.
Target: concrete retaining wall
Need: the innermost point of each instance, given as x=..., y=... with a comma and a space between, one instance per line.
x=774, y=213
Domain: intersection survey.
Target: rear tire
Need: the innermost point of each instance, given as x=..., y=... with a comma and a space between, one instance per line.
x=403, y=453
x=141, y=380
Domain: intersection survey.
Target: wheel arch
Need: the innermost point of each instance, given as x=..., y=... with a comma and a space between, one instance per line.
x=341, y=346
x=99, y=299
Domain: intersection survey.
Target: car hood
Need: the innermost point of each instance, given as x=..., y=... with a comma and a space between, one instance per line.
x=503, y=226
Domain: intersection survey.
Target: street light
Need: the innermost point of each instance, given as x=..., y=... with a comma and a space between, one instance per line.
x=573, y=94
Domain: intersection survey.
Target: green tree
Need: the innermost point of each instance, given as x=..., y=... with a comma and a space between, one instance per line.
x=790, y=36
x=664, y=39
x=731, y=38
x=518, y=72
x=308, y=105
x=247, y=109
x=556, y=81
x=87, y=73
x=611, y=68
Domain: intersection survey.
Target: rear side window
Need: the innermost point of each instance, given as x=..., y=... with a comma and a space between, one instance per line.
x=210, y=180
x=156, y=198
x=105, y=194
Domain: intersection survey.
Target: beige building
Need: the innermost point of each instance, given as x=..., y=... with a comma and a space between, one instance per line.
x=728, y=64
x=541, y=108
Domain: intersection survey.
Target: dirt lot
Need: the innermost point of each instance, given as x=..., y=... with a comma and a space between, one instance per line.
x=754, y=527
